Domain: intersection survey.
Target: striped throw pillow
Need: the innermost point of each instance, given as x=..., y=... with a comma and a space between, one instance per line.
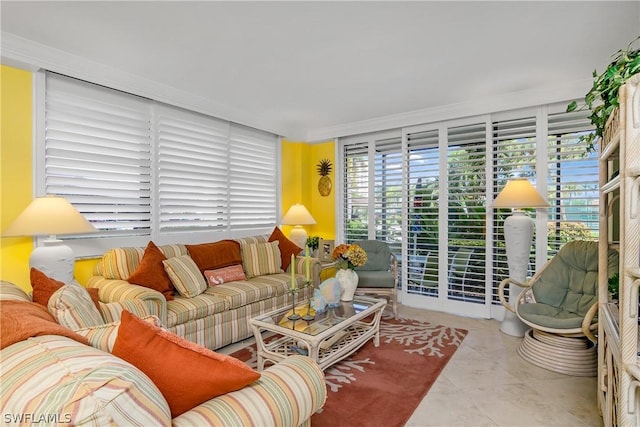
x=71, y=306
x=259, y=259
x=185, y=276
x=120, y=263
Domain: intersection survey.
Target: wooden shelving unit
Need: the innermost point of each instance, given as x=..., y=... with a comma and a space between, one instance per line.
x=618, y=361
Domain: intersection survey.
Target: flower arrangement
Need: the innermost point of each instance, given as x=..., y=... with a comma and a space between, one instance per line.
x=349, y=256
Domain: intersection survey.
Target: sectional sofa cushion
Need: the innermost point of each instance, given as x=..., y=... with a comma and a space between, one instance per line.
x=209, y=256
x=185, y=373
x=259, y=259
x=151, y=273
x=20, y=320
x=185, y=276
x=72, y=307
x=79, y=385
x=286, y=246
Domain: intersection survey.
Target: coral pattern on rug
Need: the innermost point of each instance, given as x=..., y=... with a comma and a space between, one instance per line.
x=381, y=386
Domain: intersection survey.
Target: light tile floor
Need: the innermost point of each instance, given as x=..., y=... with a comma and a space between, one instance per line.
x=487, y=384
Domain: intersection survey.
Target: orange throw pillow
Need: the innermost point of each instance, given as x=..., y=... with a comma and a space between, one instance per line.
x=150, y=273
x=209, y=256
x=185, y=373
x=20, y=320
x=43, y=286
x=287, y=247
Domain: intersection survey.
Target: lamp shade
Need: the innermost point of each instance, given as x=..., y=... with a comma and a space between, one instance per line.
x=297, y=215
x=50, y=215
x=519, y=193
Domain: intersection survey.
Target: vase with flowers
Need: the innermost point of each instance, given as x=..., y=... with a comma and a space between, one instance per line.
x=348, y=257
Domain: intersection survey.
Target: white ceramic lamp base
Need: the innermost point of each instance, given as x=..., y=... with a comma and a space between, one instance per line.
x=298, y=236
x=55, y=259
x=518, y=235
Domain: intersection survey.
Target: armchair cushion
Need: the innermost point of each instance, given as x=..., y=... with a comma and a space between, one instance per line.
x=378, y=255
x=375, y=279
x=549, y=316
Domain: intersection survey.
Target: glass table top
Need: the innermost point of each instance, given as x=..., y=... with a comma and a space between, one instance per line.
x=322, y=321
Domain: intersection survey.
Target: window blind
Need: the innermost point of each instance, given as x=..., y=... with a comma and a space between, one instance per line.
x=98, y=154
x=192, y=170
x=514, y=155
x=253, y=173
x=572, y=187
x=356, y=191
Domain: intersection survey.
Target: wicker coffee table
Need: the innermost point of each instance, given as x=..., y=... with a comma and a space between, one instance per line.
x=330, y=337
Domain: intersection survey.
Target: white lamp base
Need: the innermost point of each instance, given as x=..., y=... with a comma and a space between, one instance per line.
x=55, y=259
x=518, y=235
x=298, y=236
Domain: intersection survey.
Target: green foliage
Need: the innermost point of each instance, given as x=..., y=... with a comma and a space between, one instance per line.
x=614, y=286
x=604, y=92
x=313, y=242
x=568, y=231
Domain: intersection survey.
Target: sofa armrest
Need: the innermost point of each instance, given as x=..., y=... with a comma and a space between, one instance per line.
x=112, y=311
x=266, y=402
x=314, y=268
x=114, y=290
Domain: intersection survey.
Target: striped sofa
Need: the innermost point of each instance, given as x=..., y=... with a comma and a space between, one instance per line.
x=215, y=318
x=55, y=380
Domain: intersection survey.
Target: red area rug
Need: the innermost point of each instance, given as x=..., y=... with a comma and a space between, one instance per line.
x=383, y=386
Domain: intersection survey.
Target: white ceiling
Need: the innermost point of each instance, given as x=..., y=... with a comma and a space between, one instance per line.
x=302, y=69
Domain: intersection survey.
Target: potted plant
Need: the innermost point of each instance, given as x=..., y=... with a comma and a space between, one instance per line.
x=313, y=242
x=604, y=92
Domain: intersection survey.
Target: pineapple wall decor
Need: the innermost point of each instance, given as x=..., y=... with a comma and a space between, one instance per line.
x=324, y=184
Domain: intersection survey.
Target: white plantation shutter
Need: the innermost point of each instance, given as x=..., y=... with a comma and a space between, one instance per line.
x=356, y=190
x=140, y=170
x=514, y=155
x=573, y=181
x=423, y=169
x=467, y=186
x=98, y=154
x=387, y=191
x=192, y=170
x=253, y=166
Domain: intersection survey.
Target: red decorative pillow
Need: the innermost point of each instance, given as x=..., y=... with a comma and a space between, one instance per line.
x=185, y=373
x=43, y=286
x=150, y=272
x=287, y=247
x=225, y=274
x=21, y=320
x=209, y=256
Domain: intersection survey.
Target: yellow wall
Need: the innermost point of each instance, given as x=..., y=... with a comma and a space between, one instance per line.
x=16, y=182
x=299, y=178
x=300, y=184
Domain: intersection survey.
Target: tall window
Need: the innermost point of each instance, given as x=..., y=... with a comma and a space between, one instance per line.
x=139, y=169
x=439, y=179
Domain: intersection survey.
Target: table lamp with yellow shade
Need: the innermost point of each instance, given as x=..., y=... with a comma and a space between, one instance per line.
x=50, y=216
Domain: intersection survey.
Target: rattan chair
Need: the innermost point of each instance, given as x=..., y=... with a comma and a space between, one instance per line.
x=560, y=303
x=379, y=276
